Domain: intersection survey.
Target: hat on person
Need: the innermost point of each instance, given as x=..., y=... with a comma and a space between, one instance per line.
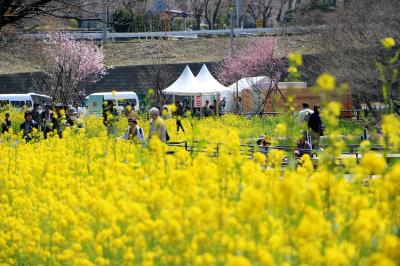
x=59, y=105
x=72, y=111
x=262, y=138
x=131, y=119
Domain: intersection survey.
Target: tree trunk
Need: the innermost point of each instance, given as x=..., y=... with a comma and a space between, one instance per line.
x=215, y=13
x=198, y=21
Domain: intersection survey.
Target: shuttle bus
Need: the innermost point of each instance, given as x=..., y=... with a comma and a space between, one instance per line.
x=21, y=100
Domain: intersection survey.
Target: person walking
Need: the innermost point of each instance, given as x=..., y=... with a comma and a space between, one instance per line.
x=157, y=126
x=206, y=109
x=28, y=126
x=47, y=118
x=110, y=117
x=58, y=119
x=316, y=127
x=304, y=114
x=73, y=120
x=6, y=124
x=179, y=115
x=36, y=115
x=134, y=132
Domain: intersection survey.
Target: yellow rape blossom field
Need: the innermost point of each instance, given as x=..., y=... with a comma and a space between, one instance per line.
x=88, y=199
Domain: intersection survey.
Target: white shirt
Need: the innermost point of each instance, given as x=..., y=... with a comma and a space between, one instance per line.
x=139, y=133
x=303, y=113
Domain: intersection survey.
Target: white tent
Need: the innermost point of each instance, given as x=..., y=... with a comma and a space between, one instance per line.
x=250, y=83
x=208, y=83
x=185, y=85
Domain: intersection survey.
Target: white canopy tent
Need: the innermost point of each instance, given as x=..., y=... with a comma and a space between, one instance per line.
x=208, y=83
x=185, y=85
x=249, y=82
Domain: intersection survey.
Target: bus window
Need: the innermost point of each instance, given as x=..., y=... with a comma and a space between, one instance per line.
x=3, y=103
x=122, y=102
x=19, y=104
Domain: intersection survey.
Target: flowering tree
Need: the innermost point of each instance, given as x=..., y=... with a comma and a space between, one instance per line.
x=68, y=63
x=256, y=60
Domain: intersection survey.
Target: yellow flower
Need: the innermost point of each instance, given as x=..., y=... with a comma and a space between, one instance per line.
x=372, y=163
x=388, y=43
x=292, y=70
x=391, y=246
x=280, y=129
x=172, y=108
x=114, y=93
x=295, y=58
x=238, y=261
x=326, y=82
x=365, y=144
x=259, y=157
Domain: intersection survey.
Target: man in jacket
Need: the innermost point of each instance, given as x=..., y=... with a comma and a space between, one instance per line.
x=316, y=127
x=28, y=126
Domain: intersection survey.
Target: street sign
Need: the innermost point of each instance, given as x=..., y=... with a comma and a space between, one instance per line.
x=259, y=23
x=160, y=6
x=198, y=101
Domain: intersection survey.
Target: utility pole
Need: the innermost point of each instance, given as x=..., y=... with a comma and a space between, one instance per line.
x=238, y=5
x=231, y=32
x=105, y=19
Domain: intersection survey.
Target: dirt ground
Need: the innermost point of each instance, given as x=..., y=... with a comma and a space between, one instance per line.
x=18, y=57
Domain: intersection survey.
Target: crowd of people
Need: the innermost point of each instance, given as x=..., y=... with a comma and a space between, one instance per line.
x=55, y=120
x=45, y=121
x=313, y=128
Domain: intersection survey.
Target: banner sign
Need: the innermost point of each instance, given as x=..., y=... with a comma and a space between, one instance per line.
x=95, y=104
x=198, y=101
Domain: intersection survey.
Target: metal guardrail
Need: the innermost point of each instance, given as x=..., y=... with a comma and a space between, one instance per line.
x=185, y=34
x=250, y=149
x=344, y=114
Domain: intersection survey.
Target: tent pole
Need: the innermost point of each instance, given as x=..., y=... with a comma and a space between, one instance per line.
x=237, y=97
x=217, y=105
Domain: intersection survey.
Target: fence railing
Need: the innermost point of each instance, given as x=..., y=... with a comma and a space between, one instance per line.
x=249, y=149
x=345, y=114
x=185, y=34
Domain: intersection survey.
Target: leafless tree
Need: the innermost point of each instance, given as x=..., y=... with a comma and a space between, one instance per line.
x=158, y=74
x=197, y=11
x=350, y=44
x=261, y=9
x=212, y=9
x=16, y=12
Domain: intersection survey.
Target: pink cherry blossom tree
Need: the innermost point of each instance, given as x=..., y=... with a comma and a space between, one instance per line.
x=69, y=63
x=255, y=60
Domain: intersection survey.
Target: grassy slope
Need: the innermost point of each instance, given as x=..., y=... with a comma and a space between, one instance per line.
x=26, y=56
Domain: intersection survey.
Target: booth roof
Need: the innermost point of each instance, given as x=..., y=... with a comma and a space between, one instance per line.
x=250, y=83
x=186, y=84
x=208, y=83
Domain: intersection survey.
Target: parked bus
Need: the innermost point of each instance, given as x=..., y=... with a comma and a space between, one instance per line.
x=21, y=100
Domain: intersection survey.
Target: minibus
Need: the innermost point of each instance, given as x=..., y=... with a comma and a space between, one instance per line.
x=119, y=98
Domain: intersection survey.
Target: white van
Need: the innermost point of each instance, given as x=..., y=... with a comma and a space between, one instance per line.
x=21, y=100
x=120, y=98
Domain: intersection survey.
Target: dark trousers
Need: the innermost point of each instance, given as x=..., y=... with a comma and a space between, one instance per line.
x=45, y=131
x=179, y=125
